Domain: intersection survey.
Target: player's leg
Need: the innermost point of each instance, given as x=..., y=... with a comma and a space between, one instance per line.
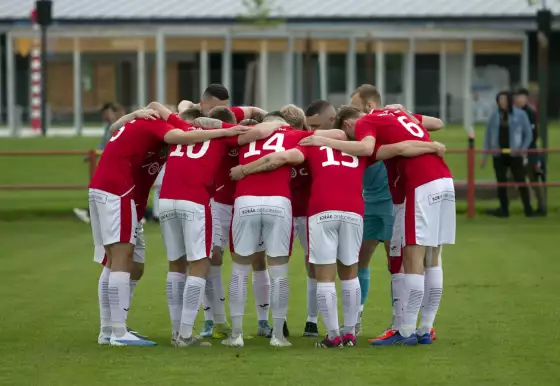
x=196, y=220
x=277, y=233
x=300, y=230
x=261, y=292
x=172, y=232
x=349, y=242
x=99, y=256
x=119, y=232
x=433, y=289
x=323, y=242
x=139, y=259
x=369, y=244
x=245, y=237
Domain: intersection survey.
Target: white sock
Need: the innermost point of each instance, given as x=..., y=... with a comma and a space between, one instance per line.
x=208, y=300
x=218, y=300
x=433, y=288
x=103, y=295
x=312, y=300
x=238, y=296
x=397, y=287
x=279, y=296
x=351, y=299
x=328, y=307
x=411, y=301
x=119, y=301
x=261, y=290
x=175, y=285
x=133, y=284
x=192, y=297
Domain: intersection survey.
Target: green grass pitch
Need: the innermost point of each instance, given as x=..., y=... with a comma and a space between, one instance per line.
x=496, y=325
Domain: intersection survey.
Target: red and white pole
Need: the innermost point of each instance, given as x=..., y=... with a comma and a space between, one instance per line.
x=35, y=77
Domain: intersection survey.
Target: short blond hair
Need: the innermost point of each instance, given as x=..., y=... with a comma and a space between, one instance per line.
x=294, y=116
x=368, y=92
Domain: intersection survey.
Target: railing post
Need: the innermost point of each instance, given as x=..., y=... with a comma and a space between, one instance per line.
x=92, y=162
x=471, y=192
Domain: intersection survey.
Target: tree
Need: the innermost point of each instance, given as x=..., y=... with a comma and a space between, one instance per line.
x=259, y=13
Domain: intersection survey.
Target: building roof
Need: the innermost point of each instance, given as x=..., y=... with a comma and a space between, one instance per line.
x=290, y=10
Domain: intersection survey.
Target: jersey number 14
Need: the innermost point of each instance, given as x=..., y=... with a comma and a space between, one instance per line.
x=274, y=144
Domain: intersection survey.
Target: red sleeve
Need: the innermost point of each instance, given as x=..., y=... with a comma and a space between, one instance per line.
x=177, y=122
x=303, y=150
x=418, y=116
x=373, y=158
x=238, y=112
x=227, y=125
x=160, y=128
x=304, y=134
x=363, y=129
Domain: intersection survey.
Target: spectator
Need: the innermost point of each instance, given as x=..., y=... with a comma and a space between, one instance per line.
x=534, y=165
x=508, y=129
x=110, y=112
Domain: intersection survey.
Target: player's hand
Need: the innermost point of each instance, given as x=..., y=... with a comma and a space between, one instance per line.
x=236, y=173
x=440, y=149
x=146, y=114
x=237, y=130
x=312, y=140
x=395, y=106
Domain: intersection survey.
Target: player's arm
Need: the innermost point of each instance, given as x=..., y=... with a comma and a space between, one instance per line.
x=250, y=112
x=409, y=149
x=267, y=163
x=431, y=123
x=333, y=134
x=146, y=113
x=363, y=148
x=181, y=137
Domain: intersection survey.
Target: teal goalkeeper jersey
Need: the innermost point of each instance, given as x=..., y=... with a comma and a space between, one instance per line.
x=377, y=196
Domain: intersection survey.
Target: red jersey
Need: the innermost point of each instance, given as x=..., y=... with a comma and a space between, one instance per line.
x=300, y=188
x=128, y=159
x=190, y=170
x=152, y=165
x=224, y=186
x=395, y=182
x=238, y=112
x=390, y=126
x=275, y=182
x=337, y=180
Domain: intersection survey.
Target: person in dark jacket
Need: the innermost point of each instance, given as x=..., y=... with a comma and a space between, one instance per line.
x=534, y=167
x=508, y=133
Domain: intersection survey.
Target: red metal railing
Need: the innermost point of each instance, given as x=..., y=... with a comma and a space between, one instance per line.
x=471, y=184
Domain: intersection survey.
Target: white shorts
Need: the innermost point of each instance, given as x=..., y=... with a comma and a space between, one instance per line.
x=113, y=218
x=335, y=234
x=300, y=230
x=262, y=223
x=187, y=229
x=429, y=215
x=139, y=255
x=397, y=239
x=221, y=218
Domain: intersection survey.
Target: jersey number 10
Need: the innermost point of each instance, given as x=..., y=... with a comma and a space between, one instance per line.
x=190, y=151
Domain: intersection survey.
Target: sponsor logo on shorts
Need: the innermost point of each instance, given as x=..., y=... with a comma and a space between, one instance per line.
x=446, y=195
x=185, y=215
x=97, y=197
x=166, y=216
x=261, y=209
x=346, y=217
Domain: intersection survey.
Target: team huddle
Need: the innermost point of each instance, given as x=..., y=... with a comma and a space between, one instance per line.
x=341, y=182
